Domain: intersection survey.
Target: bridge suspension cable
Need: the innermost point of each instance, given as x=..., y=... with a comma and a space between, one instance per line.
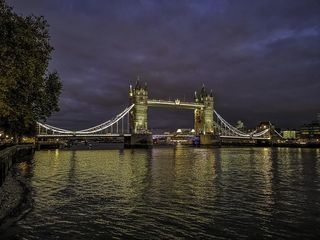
x=52, y=128
x=118, y=125
x=106, y=128
x=226, y=129
x=107, y=124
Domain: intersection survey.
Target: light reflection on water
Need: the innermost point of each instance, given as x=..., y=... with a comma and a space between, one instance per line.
x=172, y=193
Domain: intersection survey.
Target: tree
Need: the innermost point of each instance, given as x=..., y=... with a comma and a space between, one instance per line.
x=28, y=91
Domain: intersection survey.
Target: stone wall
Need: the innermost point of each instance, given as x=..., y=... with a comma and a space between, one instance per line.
x=9, y=156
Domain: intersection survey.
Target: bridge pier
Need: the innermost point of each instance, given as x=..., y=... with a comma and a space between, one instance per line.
x=138, y=140
x=209, y=139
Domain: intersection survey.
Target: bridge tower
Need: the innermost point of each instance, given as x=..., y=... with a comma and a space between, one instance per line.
x=140, y=136
x=204, y=116
x=139, y=114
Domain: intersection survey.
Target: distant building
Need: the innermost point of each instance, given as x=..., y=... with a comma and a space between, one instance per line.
x=310, y=131
x=1, y=135
x=264, y=125
x=185, y=131
x=240, y=125
x=289, y=134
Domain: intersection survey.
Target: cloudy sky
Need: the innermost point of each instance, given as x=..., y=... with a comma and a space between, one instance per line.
x=261, y=58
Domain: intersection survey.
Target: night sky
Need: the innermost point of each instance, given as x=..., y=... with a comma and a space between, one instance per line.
x=260, y=58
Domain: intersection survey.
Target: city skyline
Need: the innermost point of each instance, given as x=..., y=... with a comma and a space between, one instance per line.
x=261, y=59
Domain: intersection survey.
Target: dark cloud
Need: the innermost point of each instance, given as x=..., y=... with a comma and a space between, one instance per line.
x=261, y=58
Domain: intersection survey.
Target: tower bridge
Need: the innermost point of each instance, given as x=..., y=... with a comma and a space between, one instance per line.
x=202, y=106
x=132, y=123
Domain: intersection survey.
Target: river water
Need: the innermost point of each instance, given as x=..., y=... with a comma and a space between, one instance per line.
x=173, y=193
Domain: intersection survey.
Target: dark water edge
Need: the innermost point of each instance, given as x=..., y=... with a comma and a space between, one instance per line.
x=21, y=199
x=172, y=193
x=8, y=228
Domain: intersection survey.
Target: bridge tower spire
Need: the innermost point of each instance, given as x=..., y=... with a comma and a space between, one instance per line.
x=138, y=95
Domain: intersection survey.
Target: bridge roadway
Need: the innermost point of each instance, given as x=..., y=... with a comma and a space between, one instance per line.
x=83, y=135
x=128, y=135
x=176, y=104
x=221, y=136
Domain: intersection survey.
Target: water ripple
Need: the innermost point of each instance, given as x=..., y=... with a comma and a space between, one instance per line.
x=174, y=193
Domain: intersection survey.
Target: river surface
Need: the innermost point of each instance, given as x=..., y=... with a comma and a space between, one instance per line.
x=173, y=193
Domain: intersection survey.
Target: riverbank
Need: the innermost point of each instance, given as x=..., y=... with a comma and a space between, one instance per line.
x=15, y=199
x=10, y=197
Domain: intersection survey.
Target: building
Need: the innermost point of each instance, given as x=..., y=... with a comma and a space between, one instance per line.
x=185, y=131
x=310, y=131
x=1, y=136
x=289, y=134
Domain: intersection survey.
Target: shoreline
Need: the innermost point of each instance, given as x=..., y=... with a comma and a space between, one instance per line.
x=222, y=145
x=15, y=200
